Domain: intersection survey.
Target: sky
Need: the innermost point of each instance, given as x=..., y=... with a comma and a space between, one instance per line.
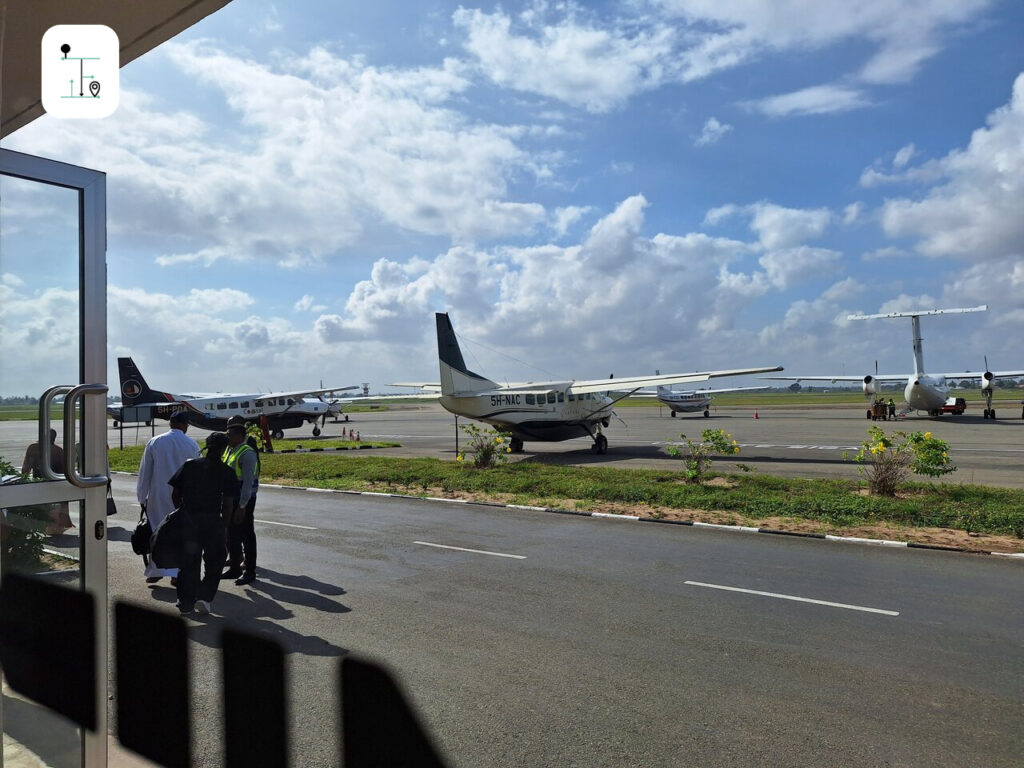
x=610, y=187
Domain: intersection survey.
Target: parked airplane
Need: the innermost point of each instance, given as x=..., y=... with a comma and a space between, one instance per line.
x=692, y=401
x=544, y=411
x=923, y=392
x=283, y=410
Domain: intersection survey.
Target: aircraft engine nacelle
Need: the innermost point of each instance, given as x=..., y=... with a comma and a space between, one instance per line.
x=987, y=379
x=869, y=385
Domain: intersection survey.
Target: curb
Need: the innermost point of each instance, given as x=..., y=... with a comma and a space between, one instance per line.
x=635, y=518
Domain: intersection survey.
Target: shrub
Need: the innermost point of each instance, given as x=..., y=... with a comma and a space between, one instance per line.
x=487, y=447
x=887, y=460
x=21, y=532
x=698, y=458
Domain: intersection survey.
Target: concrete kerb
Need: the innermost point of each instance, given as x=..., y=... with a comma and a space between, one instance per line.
x=635, y=518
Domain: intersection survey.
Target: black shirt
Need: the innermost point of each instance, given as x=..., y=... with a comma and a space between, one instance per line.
x=202, y=484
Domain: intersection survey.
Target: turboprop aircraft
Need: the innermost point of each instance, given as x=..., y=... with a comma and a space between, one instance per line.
x=545, y=411
x=923, y=392
x=283, y=410
x=692, y=401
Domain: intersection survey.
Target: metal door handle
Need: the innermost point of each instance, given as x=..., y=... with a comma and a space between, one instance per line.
x=44, y=429
x=70, y=450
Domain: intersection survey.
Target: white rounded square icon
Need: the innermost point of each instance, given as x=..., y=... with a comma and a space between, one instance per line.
x=80, y=70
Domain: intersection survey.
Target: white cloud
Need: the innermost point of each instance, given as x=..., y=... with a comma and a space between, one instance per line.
x=572, y=60
x=307, y=304
x=888, y=252
x=904, y=155
x=712, y=132
x=975, y=213
x=852, y=213
x=780, y=227
x=323, y=150
x=815, y=100
x=717, y=215
x=567, y=216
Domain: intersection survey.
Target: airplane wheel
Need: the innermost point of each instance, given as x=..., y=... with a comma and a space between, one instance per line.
x=516, y=444
x=277, y=434
x=601, y=444
x=869, y=413
x=670, y=413
x=116, y=425
x=316, y=431
x=707, y=414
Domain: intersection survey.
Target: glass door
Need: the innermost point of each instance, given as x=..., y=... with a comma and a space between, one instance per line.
x=53, y=471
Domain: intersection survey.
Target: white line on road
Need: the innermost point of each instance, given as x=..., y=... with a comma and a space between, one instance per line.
x=792, y=597
x=474, y=551
x=289, y=525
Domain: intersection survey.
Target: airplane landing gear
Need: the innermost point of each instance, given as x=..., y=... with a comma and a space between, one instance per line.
x=672, y=414
x=277, y=434
x=600, y=444
x=316, y=431
x=989, y=412
x=516, y=444
x=707, y=413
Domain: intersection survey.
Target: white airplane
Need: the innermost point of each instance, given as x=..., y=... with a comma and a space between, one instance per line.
x=923, y=392
x=543, y=411
x=283, y=410
x=692, y=401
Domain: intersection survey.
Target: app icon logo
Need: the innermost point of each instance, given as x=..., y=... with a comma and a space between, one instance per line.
x=80, y=70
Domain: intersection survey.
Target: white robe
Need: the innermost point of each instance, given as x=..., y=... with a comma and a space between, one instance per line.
x=163, y=455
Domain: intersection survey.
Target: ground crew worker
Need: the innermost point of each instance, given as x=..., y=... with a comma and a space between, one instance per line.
x=241, y=529
x=892, y=409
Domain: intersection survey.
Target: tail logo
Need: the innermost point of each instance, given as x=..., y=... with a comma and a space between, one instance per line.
x=131, y=388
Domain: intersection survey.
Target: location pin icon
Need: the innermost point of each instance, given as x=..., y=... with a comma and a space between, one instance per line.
x=94, y=87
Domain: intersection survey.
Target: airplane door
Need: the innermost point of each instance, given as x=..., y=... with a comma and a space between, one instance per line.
x=53, y=377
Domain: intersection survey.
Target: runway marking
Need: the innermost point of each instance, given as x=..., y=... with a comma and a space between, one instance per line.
x=474, y=551
x=288, y=525
x=793, y=597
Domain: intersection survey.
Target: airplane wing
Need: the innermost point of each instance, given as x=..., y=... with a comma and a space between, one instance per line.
x=302, y=393
x=981, y=374
x=633, y=383
x=654, y=393
x=834, y=379
x=431, y=386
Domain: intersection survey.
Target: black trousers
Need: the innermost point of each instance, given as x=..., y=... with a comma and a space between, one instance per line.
x=210, y=553
x=242, y=538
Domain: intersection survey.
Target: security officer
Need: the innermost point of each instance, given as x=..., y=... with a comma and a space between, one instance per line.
x=241, y=529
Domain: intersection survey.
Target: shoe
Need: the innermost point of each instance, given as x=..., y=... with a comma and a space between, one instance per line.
x=174, y=581
x=231, y=573
x=246, y=578
x=202, y=606
x=153, y=579
x=184, y=608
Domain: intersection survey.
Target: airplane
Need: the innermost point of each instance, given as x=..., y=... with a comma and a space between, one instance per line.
x=923, y=392
x=548, y=411
x=691, y=401
x=283, y=410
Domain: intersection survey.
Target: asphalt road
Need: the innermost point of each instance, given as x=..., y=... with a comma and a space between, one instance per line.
x=610, y=643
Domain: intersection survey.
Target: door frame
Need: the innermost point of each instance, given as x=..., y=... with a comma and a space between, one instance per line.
x=92, y=280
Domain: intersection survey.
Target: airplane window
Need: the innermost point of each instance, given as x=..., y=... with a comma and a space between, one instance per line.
x=290, y=401
x=259, y=403
x=572, y=397
x=551, y=397
x=221, y=406
x=531, y=400
x=561, y=397
x=245, y=404
x=234, y=405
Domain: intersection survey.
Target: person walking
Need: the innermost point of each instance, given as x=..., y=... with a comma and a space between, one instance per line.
x=205, y=489
x=241, y=529
x=162, y=457
x=892, y=409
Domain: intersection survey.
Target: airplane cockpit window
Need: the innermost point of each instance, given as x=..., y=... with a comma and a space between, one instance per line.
x=572, y=398
x=290, y=401
x=561, y=397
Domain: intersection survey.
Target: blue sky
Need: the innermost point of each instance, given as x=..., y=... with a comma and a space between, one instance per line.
x=617, y=187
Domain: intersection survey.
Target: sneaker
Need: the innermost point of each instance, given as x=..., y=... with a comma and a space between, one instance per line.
x=231, y=573
x=246, y=578
x=152, y=579
x=203, y=606
x=174, y=581
x=184, y=608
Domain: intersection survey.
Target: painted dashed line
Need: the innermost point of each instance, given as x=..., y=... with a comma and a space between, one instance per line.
x=474, y=551
x=779, y=596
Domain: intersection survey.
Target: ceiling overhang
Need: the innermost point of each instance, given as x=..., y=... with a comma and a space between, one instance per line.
x=141, y=25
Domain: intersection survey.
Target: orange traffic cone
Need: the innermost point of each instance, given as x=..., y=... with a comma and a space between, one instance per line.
x=755, y=414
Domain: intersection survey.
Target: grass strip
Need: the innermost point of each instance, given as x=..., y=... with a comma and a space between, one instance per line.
x=840, y=502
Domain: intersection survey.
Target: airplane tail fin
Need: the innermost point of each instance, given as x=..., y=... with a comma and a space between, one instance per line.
x=455, y=377
x=134, y=389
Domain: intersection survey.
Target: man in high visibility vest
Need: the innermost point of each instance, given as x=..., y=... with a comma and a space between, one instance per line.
x=241, y=528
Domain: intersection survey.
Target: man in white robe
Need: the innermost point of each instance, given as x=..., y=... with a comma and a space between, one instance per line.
x=162, y=457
